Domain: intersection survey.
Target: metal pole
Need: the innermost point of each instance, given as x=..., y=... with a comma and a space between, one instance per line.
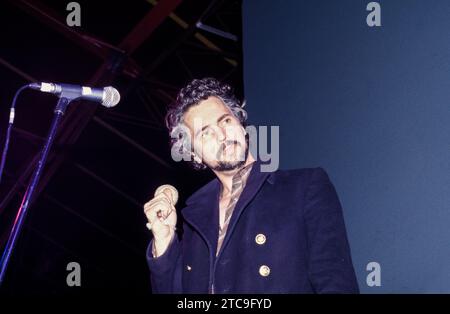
x=28, y=197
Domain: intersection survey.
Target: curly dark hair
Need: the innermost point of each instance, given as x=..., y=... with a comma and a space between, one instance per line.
x=190, y=95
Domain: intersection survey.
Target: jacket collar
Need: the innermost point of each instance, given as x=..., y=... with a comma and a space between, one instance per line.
x=202, y=210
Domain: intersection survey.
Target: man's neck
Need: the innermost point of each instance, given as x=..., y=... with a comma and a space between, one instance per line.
x=226, y=177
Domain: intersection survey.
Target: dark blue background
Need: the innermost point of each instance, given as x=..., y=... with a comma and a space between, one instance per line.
x=372, y=106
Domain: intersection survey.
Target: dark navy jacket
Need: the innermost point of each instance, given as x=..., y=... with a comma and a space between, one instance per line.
x=286, y=235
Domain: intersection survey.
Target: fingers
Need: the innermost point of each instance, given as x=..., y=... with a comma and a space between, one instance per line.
x=161, y=199
x=158, y=198
x=153, y=225
x=159, y=205
x=168, y=195
x=161, y=213
x=158, y=210
x=170, y=192
x=158, y=223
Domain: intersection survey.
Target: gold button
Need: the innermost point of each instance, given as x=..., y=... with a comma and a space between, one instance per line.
x=260, y=239
x=264, y=270
x=188, y=268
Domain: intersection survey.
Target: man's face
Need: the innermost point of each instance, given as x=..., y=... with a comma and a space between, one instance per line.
x=218, y=136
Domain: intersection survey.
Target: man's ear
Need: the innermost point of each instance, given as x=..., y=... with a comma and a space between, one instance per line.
x=244, y=130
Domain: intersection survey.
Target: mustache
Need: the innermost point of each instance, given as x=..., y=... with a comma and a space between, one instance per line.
x=221, y=150
x=227, y=143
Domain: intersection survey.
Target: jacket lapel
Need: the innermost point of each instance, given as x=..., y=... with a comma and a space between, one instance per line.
x=254, y=183
x=202, y=210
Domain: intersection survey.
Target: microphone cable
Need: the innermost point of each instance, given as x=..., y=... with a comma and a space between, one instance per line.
x=8, y=131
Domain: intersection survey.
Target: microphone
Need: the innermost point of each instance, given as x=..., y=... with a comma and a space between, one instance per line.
x=108, y=96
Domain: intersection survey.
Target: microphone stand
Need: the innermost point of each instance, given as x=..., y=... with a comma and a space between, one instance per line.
x=59, y=111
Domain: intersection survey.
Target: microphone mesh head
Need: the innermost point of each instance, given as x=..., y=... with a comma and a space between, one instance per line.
x=111, y=97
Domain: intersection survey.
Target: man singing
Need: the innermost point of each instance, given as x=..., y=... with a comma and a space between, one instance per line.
x=246, y=231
